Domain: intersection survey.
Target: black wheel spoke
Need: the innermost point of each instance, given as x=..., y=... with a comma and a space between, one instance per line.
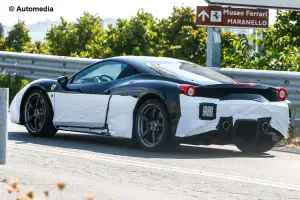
x=160, y=124
x=30, y=105
x=41, y=114
x=153, y=113
x=145, y=118
x=37, y=101
x=30, y=118
x=145, y=132
x=153, y=137
x=36, y=123
x=160, y=116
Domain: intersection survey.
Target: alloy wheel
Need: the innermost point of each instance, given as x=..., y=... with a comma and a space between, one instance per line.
x=150, y=125
x=35, y=112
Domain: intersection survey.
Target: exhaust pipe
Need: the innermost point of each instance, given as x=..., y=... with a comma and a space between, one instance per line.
x=226, y=125
x=265, y=126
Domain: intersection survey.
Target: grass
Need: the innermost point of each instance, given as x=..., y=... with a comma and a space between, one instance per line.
x=21, y=193
x=291, y=143
x=14, y=83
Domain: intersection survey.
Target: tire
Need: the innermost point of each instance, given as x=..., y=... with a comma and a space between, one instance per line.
x=38, y=114
x=255, y=147
x=156, y=126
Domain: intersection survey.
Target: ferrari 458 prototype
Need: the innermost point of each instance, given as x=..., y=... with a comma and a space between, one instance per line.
x=158, y=102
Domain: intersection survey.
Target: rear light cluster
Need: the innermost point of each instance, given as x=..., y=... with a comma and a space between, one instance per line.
x=282, y=94
x=188, y=90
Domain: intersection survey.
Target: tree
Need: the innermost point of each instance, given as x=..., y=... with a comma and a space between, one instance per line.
x=2, y=44
x=37, y=47
x=136, y=36
x=17, y=37
x=181, y=38
x=1, y=31
x=61, y=38
x=280, y=46
x=75, y=38
x=87, y=28
x=236, y=50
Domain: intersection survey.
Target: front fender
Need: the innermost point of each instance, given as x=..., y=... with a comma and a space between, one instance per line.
x=15, y=106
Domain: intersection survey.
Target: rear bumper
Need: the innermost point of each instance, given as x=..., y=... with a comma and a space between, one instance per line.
x=243, y=130
x=234, y=111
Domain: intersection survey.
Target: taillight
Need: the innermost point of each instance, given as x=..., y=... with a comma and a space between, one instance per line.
x=282, y=94
x=188, y=90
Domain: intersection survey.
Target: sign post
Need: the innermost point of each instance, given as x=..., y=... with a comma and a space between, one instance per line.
x=216, y=16
x=3, y=124
x=213, y=54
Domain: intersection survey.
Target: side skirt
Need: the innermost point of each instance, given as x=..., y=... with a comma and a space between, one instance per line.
x=96, y=131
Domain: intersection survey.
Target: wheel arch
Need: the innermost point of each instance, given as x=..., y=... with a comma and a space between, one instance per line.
x=172, y=105
x=30, y=89
x=144, y=97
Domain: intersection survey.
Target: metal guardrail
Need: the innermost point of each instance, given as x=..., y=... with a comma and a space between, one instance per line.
x=3, y=124
x=34, y=66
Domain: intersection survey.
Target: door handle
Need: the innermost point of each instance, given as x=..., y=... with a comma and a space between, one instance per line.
x=106, y=91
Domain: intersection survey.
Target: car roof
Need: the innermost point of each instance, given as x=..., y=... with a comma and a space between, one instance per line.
x=139, y=62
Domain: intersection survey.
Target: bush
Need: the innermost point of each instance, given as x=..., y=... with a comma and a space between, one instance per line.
x=15, y=84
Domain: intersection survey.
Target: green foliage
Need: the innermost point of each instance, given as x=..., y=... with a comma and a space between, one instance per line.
x=143, y=34
x=17, y=37
x=37, y=47
x=73, y=39
x=176, y=36
x=235, y=50
x=137, y=36
x=61, y=38
x=280, y=46
x=2, y=44
x=15, y=84
x=180, y=38
x=1, y=31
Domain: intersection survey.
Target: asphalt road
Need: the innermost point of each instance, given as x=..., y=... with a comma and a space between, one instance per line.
x=115, y=169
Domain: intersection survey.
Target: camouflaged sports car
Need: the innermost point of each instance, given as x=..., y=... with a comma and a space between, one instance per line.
x=158, y=102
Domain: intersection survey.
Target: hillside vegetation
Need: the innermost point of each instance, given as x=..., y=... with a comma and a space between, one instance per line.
x=176, y=36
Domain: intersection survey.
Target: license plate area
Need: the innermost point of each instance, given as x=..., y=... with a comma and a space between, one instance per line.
x=245, y=128
x=207, y=111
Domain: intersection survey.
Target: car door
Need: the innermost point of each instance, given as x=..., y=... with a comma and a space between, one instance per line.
x=83, y=101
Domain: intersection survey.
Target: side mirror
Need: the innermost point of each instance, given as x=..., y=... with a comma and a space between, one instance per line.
x=63, y=80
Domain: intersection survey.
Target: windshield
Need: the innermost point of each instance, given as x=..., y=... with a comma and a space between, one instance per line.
x=190, y=72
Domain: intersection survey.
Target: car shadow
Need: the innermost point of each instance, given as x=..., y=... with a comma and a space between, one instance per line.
x=112, y=146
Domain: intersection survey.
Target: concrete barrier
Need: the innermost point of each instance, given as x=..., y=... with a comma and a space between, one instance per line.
x=3, y=124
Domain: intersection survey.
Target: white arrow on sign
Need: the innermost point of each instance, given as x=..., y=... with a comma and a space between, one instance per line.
x=203, y=14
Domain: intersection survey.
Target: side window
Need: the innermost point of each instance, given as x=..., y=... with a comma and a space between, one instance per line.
x=101, y=72
x=127, y=71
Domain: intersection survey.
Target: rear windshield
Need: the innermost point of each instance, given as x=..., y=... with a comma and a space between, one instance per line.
x=190, y=72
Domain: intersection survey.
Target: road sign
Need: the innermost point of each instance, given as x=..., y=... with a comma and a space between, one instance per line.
x=233, y=17
x=275, y=4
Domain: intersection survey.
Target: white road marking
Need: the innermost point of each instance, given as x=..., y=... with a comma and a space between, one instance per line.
x=157, y=166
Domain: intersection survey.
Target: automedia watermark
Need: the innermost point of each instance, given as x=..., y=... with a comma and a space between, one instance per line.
x=30, y=9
